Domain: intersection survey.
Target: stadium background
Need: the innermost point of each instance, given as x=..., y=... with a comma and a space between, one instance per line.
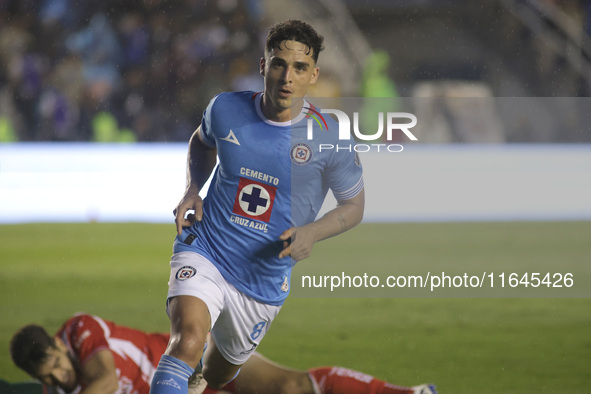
x=115, y=72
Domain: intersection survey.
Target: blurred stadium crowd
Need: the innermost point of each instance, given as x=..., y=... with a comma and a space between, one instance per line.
x=134, y=70
x=143, y=70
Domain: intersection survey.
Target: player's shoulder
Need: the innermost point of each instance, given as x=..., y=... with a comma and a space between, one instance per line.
x=78, y=326
x=227, y=103
x=80, y=320
x=246, y=95
x=76, y=318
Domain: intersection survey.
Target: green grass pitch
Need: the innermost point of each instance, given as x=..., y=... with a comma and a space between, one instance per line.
x=533, y=342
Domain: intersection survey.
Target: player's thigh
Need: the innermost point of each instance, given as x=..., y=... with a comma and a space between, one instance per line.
x=241, y=325
x=195, y=300
x=188, y=316
x=194, y=275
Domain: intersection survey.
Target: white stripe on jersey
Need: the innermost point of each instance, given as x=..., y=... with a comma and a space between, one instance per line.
x=128, y=350
x=352, y=192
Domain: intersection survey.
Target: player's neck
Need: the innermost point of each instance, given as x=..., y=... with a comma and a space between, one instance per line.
x=275, y=115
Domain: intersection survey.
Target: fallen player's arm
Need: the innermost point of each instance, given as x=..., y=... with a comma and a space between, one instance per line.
x=99, y=373
x=345, y=216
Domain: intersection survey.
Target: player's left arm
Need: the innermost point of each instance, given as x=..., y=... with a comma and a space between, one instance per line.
x=347, y=214
x=99, y=373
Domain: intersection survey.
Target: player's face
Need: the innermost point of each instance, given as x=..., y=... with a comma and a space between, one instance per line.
x=57, y=370
x=288, y=70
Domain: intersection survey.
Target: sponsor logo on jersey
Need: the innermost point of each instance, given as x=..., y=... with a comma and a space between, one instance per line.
x=285, y=285
x=185, y=272
x=254, y=200
x=254, y=224
x=231, y=137
x=301, y=154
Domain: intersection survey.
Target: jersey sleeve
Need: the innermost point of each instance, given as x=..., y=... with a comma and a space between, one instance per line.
x=206, y=134
x=345, y=175
x=85, y=336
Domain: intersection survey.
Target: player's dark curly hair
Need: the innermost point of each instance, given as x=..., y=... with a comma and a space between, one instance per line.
x=295, y=30
x=29, y=346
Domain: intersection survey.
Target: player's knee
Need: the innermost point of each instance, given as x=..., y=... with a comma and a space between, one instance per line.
x=188, y=344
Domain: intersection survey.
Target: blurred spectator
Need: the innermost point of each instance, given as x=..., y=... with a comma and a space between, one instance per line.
x=6, y=131
x=380, y=93
x=120, y=71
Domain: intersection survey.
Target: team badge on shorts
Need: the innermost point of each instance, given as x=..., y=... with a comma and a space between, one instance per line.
x=185, y=272
x=301, y=154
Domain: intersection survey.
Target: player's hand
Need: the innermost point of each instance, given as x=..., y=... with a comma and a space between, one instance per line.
x=297, y=243
x=191, y=203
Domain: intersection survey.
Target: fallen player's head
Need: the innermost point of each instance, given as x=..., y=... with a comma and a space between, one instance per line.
x=43, y=357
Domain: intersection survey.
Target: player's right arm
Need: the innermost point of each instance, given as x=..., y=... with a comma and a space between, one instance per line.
x=100, y=374
x=201, y=160
x=85, y=335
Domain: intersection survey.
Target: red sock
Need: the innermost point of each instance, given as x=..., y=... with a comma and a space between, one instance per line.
x=336, y=380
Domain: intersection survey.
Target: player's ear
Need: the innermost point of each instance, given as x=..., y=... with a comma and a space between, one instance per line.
x=315, y=74
x=262, y=66
x=61, y=345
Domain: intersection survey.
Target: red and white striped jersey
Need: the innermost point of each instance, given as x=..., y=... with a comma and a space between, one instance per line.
x=136, y=353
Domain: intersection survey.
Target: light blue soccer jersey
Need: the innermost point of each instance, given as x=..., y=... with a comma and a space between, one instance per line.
x=265, y=168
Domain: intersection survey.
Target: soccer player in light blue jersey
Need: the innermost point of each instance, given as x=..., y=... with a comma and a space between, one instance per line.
x=230, y=271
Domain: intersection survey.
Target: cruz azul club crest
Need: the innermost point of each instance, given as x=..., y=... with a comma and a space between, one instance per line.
x=254, y=200
x=301, y=154
x=185, y=272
